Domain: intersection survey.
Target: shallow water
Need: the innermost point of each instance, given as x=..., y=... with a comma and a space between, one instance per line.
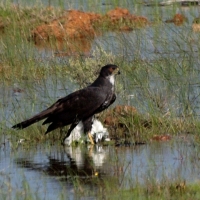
x=157, y=44
x=26, y=98
x=50, y=170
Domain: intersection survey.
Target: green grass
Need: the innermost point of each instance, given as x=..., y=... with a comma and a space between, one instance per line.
x=165, y=89
x=109, y=189
x=165, y=191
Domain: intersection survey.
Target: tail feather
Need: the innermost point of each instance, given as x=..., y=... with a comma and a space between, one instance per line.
x=44, y=114
x=52, y=127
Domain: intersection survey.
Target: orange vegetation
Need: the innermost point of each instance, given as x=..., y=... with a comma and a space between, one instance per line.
x=112, y=117
x=80, y=25
x=196, y=25
x=75, y=24
x=161, y=137
x=124, y=16
x=178, y=19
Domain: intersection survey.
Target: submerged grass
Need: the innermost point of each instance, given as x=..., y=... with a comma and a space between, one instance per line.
x=159, y=191
x=162, y=86
x=163, y=89
x=108, y=189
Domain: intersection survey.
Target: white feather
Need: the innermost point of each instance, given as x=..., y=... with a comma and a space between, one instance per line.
x=98, y=132
x=112, y=79
x=75, y=135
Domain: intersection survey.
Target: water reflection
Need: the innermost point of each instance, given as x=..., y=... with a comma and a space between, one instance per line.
x=66, y=48
x=51, y=167
x=81, y=161
x=49, y=170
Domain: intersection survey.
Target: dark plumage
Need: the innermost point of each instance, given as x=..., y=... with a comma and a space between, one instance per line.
x=78, y=106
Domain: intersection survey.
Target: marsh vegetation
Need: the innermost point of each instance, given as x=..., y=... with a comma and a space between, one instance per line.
x=159, y=86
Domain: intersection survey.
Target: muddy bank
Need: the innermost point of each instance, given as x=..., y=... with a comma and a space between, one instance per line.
x=75, y=24
x=178, y=19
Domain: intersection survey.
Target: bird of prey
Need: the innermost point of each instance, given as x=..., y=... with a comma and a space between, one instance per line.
x=80, y=105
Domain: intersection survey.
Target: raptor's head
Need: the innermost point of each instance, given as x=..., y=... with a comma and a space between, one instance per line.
x=109, y=70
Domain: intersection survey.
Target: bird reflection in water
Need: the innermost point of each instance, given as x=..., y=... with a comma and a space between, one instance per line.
x=82, y=161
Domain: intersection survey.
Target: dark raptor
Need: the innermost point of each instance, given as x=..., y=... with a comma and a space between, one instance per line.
x=80, y=105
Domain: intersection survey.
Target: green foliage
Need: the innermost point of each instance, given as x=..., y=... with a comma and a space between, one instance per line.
x=164, y=90
x=163, y=87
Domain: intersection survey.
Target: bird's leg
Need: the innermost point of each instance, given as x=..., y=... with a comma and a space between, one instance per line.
x=87, y=124
x=91, y=139
x=69, y=131
x=91, y=149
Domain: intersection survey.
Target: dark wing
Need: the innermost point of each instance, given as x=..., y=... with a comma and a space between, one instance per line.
x=110, y=100
x=78, y=105
x=87, y=123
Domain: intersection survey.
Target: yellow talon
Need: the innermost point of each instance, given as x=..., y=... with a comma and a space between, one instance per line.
x=91, y=139
x=96, y=173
